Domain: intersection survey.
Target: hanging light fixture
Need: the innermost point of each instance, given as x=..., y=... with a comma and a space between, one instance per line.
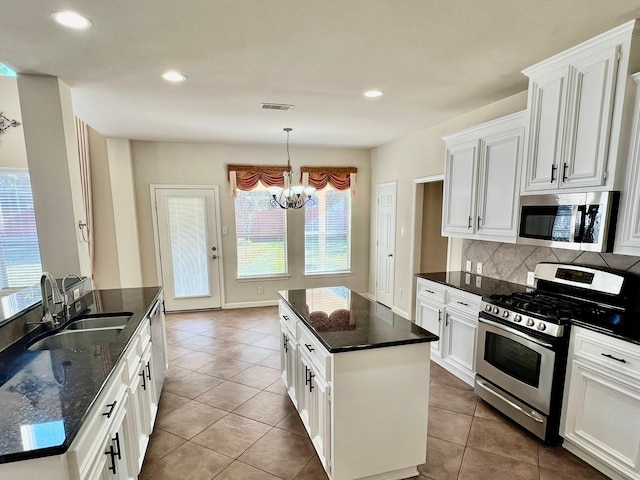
x=290, y=195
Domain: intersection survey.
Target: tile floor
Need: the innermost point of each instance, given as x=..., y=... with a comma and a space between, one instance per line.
x=224, y=415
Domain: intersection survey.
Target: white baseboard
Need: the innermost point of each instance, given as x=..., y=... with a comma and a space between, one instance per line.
x=262, y=303
x=402, y=313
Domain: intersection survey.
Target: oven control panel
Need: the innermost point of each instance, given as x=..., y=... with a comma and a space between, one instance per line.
x=522, y=320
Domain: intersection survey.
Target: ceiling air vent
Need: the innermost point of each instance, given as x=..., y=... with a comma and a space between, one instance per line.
x=276, y=106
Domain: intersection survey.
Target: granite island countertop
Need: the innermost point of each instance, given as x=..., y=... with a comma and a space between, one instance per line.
x=45, y=395
x=345, y=321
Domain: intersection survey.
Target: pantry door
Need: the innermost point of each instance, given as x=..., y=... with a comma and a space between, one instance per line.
x=385, y=243
x=187, y=250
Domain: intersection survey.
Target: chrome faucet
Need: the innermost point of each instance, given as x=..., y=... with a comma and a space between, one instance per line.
x=49, y=318
x=65, y=295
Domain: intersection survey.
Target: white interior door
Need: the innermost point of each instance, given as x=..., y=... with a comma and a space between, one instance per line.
x=187, y=243
x=385, y=242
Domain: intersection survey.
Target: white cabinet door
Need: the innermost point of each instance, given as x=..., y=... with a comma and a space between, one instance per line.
x=628, y=230
x=499, y=184
x=320, y=416
x=589, y=119
x=289, y=363
x=547, y=107
x=429, y=316
x=604, y=418
x=305, y=397
x=460, y=189
x=461, y=341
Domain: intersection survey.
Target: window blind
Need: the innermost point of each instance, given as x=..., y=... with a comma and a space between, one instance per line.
x=327, y=232
x=261, y=235
x=20, y=264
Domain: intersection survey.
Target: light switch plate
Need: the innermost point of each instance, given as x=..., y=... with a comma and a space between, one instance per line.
x=531, y=278
x=478, y=282
x=479, y=268
x=468, y=266
x=467, y=278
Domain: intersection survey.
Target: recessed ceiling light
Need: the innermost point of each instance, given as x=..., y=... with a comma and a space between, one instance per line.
x=373, y=93
x=71, y=20
x=174, y=77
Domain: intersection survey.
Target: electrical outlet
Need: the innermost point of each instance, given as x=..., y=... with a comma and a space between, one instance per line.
x=479, y=268
x=531, y=278
x=478, y=282
x=225, y=231
x=260, y=290
x=467, y=278
x=468, y=266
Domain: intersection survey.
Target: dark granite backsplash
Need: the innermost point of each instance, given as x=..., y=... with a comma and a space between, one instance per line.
x=510, y=262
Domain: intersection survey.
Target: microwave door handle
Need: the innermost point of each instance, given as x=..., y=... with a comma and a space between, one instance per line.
x=574, y=220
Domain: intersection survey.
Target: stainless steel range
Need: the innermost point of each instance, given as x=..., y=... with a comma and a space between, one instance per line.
x=523, y=340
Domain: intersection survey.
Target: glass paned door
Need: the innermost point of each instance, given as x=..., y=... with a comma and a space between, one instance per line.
x=189, y=255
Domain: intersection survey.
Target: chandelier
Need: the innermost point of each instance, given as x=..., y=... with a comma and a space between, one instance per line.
x=290, y=196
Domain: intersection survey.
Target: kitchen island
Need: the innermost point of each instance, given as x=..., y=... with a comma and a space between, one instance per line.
x=358, y=375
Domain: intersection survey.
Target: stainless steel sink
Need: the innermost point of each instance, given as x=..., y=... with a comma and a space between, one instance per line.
x=77, y=339
x=100, y=321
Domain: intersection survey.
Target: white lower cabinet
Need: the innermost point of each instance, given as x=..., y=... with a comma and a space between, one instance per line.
x=601, y=414
x=141, y=399
x=289, y=353
x=366, y=411
x=452, y=314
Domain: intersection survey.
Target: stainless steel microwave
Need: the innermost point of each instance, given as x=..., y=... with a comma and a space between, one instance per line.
x=579, y=221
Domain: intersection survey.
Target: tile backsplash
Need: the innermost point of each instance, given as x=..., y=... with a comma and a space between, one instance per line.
x=511, y=262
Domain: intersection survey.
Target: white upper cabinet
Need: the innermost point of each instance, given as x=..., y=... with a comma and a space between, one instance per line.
x=460, y=188
x=577, y=103
x=627, y=240
x=481, y=186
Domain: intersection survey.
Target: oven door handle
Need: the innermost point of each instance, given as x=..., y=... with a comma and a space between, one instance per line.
x=532, y=415
x=515, y=332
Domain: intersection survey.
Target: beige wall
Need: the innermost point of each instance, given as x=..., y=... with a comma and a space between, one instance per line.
x=13, y=153
x=52, y=154
x=420, y=155
x=106, y=265
x=433, y=247
x=205, y=164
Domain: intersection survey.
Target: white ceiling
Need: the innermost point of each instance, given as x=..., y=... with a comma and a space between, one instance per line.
x=434, y=59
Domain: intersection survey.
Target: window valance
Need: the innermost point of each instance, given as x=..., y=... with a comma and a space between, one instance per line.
x=246, y=177
x=340, y=178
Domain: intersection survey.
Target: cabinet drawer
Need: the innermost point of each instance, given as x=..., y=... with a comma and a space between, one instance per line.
x=88, y=442
x=320, y=356
x=428, y=289
x=463, y=301
x=288, y=319
x=621, y=356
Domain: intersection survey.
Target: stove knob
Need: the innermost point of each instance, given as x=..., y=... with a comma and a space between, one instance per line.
x=487, y=308
x=517, y=318
x=505, y=314
x=542, y=327
x=496, y=310
x=530, y=322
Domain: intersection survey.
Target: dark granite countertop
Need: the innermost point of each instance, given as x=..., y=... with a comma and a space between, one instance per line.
x=476, y=284
x=344, y=321
x=45, y=395
x=624, y=326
